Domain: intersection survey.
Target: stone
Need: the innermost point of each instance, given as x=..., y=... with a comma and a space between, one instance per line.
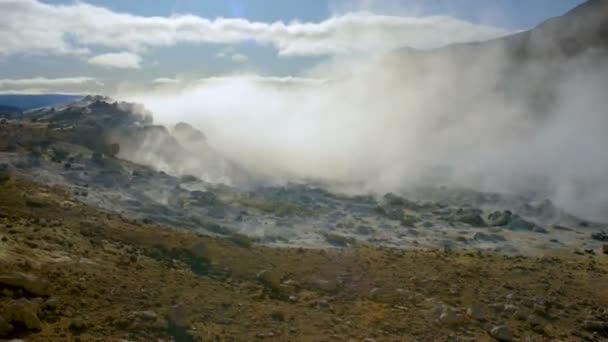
x=536, y=320
x=25, y=312
x=475, y=220
x=509, y=309
x=475, y=312
x=501, y=333
x=5, y=327
x=51, y=304
x=179, y=323
x=498, y=218
x=178, y=317
x=592, y=325
x=517, y=223
x=148, y=315
x=600, y=236
x=521, y=314
x=488, y=237
x=78, y=323
x=364, y=230
x=451, y=317
x=28, y=282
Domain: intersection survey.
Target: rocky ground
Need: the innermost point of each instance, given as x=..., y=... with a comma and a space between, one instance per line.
x=94, y=246
x=73, y=272
x=58, y=147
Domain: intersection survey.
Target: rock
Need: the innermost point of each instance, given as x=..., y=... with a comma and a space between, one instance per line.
x=178, y=318
x=475, y=220
x=521, y=314
x=451, y=317
x=179, y=324
x=498, y=218
x=501, y=333
x=148, y=315
x=25, y=312
x=488, y=237
x=517, y=223
x=186, y=133
x=77, y=324
x=337, y=240
x=28, y=282
x=605, y=249
x=365, y=230
x=51, y=304
x=509, y=309
x=536, y=320
x=539, y=230
x=600, y=236
x=324, y=285
x=272, y=283
x=474, y=311
x=591, y=325
x=5, y=327
x=278, y=316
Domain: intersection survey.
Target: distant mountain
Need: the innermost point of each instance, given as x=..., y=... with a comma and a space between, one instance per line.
x=9, y=110
x=25, y=102
x=582, y=29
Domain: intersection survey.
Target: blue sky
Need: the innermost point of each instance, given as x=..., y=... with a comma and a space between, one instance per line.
x=98, y=44
x=512, y=14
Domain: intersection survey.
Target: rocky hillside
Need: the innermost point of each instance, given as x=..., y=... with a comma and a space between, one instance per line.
x=96, y=247
x=116, y=228
x=110, y=155
x=71, y=272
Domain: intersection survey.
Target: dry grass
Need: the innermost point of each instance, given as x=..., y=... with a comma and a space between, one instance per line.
x=104, y=267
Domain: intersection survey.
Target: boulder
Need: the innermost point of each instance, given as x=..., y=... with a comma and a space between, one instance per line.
x=28, y=282
x=518, y=223
x=473, y=219
x=499, y=218
x=600, y=236
x=25, y=312
x=502, y=333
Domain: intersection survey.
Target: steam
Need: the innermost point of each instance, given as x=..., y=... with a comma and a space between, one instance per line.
x=475, y=119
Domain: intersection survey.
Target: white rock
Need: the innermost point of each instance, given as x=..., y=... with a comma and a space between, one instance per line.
x=501, y=333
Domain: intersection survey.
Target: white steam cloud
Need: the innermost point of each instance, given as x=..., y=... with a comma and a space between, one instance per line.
x=475, y=120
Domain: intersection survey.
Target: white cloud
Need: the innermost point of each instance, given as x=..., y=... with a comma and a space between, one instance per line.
x=30, y=26
x=239, y=58
x=40, y=91
x=260, y=79
x=165, y=80
x=47, y=82
x=119, y=60
x=28, y=91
